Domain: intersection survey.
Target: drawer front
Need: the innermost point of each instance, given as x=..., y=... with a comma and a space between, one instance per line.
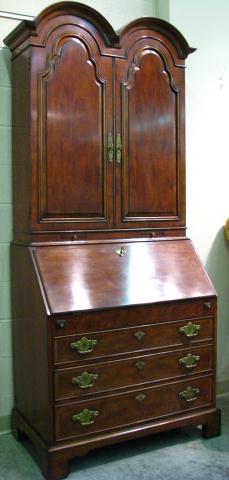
x=89, y=379
x=75, y=348
x=114, y=411
x=132, y=316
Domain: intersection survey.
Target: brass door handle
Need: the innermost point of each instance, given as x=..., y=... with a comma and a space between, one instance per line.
x=84, y=345
x=110, y=147
x=118, y=148
x=189, y=330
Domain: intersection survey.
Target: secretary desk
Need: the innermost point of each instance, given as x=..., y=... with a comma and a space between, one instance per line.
x=114, y=316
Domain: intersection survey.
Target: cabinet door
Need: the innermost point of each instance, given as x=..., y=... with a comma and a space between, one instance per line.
x=75, y=177
x=150, y=164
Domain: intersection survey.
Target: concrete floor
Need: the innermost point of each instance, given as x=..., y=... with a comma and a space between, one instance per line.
x=179, y=454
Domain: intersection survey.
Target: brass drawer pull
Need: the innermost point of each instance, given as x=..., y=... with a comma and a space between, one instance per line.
x=190, y=394
x=190, y=330
x=85, y=417
x=139, y=335
x=110, y=148
x=190, y=361
x=84, y=345
x=140, y=397
x=140, y=364
x=85, y=380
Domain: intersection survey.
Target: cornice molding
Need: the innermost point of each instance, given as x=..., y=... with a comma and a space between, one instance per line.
x=30, y=27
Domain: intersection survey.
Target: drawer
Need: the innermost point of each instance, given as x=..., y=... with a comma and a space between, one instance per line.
x=89, y=379
x=142, y=405
x=75, y=348
x=132, y=316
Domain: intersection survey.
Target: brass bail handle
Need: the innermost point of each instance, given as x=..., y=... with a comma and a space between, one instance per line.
x=118, y=148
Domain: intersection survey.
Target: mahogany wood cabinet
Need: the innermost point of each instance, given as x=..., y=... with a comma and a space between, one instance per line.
x=98, y=127
x=114, y=316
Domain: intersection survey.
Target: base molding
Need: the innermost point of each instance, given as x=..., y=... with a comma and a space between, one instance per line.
x=53, y=460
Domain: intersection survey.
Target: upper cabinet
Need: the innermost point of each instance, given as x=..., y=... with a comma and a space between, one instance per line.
x=98, y=125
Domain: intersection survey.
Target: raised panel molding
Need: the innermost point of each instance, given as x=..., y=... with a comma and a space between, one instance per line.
x=168, y=209
x=47, y=214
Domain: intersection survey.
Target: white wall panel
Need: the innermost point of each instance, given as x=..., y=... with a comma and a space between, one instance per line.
x=205, y=26
x=117, y=12
x=6, y=26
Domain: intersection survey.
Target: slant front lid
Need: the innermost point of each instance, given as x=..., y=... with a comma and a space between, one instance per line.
x=96, y=276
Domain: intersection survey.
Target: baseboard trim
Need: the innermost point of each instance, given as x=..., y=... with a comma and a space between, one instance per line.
x=222, y=387
x=5, y=424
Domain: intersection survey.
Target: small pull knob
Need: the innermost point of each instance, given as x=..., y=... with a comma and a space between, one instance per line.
x=208, y=305
x=84, y=345
x=61, y=323
x=189, y=330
